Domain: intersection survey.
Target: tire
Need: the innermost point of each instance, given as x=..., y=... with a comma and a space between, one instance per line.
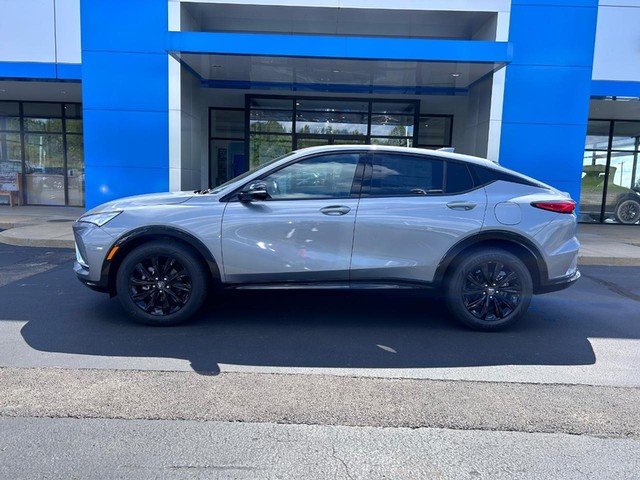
x=497, y=305
x=628, y=211
x=161, y=283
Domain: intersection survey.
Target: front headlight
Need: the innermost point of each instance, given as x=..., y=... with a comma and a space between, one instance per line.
x=100, y=219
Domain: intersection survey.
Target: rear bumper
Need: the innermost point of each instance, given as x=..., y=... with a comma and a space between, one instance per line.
x=559, y=283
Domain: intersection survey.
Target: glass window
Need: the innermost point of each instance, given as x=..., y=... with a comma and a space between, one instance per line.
x=227, y=123
x=311, y=105
x=434, y=131
x=10, y=149
x=45, y=186
x=393, y=107
x=331, y=123
x=9, y=116
x=73, y=110
x=391, y=125
x=406, y=175
x=75, y=170
x=458, y=178
x=393, y=142
x=74, y=126
x=324, y=176
x=597, y=134
x=33, y=109
x=49, y=125
x=263, y=148
x=626, y=136
x=268, y=121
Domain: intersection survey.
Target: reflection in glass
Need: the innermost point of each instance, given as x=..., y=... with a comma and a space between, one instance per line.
x=227, y=123
x=597, y=135
x=263, y=148
x=75, y=170
x=264, y=121
x=331, y=123
x=626, y=136
x=326, y=176
x=393, y=142
x=44, y=153
x=389, y=125
x=434, y=131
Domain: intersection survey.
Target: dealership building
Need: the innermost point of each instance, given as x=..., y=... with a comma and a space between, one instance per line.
x=101, y=99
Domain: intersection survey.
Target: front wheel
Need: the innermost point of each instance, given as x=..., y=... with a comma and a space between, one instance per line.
x=628, y=211
x=489, y=290
x=160, y=283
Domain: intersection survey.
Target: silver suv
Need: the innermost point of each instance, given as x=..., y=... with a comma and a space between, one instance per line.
x=342, y=216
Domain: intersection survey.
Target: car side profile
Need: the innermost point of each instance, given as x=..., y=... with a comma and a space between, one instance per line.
x=357, y=216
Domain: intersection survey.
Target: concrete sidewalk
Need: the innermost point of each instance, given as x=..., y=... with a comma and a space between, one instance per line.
x=32, y=226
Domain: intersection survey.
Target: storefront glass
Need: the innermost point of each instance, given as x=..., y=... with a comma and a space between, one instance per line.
x=41, y=151
x=610, y=190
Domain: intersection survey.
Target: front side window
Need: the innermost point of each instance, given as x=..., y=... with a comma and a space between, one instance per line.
x=395, y=174
x=323, y=176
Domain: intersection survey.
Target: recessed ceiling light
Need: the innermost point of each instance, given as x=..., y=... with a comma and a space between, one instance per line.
x=2, y=90
x=455, y=75
x=335, y=71
x=216, y=66
x=63, y=92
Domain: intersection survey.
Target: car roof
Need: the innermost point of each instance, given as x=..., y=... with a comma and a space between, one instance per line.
x=386, y=148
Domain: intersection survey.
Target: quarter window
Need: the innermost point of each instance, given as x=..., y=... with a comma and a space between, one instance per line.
x=323, y=176
x=406, y=175
x=458, y=178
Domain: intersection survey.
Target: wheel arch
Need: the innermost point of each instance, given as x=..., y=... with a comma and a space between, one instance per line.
x=133, y=239
x=511, y=242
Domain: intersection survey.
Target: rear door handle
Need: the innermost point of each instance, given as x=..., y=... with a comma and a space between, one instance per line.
x=462, y=205
x=335, y=210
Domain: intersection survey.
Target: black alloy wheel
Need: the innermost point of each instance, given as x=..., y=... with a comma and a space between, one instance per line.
x=492, y=291
x=160, y=283
x=628, y=211
x=489, y=290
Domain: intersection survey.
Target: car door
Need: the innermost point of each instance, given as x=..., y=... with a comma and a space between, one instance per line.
x=413, y=209
x=303, y=231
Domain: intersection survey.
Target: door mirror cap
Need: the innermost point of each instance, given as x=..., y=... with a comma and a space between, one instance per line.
x=254, y=191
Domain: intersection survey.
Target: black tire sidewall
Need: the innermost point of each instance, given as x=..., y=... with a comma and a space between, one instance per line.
x=187, y=258
x=453, y=288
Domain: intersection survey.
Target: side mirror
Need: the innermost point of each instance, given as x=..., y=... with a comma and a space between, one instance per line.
x=254, y=191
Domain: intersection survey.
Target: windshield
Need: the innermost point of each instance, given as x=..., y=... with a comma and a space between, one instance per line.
x=221, y=187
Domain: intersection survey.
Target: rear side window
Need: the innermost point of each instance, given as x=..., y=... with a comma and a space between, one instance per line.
x=395, y=174
x=488, y=175
x=458, y=178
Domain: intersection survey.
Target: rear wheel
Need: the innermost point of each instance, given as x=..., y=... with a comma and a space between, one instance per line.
x=489, y=290
x=628, y=211
x=160, y=283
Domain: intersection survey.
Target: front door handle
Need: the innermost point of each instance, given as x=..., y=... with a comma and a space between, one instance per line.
x=462, y=205
x=335, y=210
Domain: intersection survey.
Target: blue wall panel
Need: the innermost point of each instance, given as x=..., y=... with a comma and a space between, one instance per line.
x=547, y=89
x=106, y=186
x=539, y=94
x=135, y=81
x=123, y=25
x=125, y=98
x=121, y=147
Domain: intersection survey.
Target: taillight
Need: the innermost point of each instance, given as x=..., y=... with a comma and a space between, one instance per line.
x=560, y=206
